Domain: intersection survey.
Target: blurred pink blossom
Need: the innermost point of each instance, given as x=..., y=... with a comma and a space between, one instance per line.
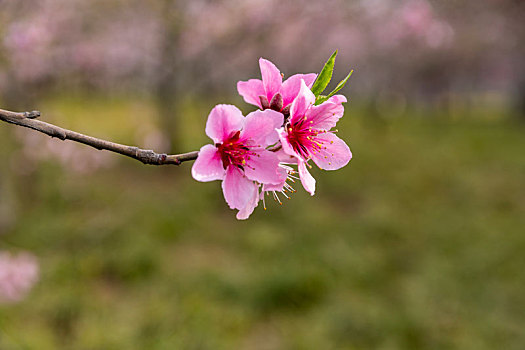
x=413, y=20
x=18, y=274
x=416, y=15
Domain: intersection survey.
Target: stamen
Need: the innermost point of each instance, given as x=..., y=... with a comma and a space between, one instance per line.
x=276, y=198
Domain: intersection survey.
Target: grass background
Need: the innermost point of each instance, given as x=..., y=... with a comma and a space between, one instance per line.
x=417, y=244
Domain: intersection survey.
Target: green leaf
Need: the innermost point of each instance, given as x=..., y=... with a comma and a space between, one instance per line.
x=341, y=84
x=323, y=79
x=321, y=98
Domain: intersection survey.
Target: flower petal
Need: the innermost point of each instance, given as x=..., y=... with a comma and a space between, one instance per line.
x=302, y=102
x=325, y=115
x=251, y=90
x=271, y=78
x=337, y=99
x=283, y=175
x=223, y=121
x=237, y=188
x=262, y=167
x=336, y=155
x=306, y=178
x=291, y=86
x=285, y=158
x=260, y=127
x=287, y=146
x=208, y=165
x=245, y=212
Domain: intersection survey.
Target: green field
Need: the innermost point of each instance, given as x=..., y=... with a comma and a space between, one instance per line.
x=418, y=244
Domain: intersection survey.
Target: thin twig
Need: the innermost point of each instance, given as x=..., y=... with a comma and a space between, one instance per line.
x=27, y=120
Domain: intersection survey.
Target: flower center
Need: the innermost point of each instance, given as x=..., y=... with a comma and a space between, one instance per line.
x=303, y=138
x=234, y=151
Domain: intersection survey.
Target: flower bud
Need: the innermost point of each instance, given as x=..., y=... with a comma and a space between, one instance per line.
x=277, y=102
x=264, y=102
x=286, y=111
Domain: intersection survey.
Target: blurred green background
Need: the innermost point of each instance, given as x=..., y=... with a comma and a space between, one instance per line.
x=417, y=244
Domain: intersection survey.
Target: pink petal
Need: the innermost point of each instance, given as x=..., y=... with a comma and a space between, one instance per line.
x=223, y=121
x=283, y=175
x=325, y=115
x=237, y=189
x=245, y=212
x=337, y=99
x=285, y=158
x=208, y=165
x=262, y=167
x=306, y=178
x=271, y=78
x=287, y=147
x=336, y=155
x=291, y=86
x=251, y=90
x=260, y=127
x=302, y=102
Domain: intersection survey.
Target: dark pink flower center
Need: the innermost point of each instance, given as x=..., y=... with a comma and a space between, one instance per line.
x=234, y=151
x=303, y=138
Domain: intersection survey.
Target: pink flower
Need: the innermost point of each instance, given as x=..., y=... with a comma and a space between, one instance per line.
x=17, y=275
x=271, y=92
x=239, y=157
x=307, y=135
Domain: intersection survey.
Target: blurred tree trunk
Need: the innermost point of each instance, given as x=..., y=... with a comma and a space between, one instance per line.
x=519, y=98
x=7, y=196
x=168, y=90
x=14, y=187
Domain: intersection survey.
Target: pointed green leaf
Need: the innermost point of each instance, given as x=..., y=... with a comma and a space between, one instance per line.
x=341, y=84
x=322, y=98
x=325, y=76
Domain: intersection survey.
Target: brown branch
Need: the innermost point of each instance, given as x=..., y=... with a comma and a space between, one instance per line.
x=27, y=120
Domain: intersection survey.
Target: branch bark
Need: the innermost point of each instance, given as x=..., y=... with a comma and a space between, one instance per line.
x=27, y=120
